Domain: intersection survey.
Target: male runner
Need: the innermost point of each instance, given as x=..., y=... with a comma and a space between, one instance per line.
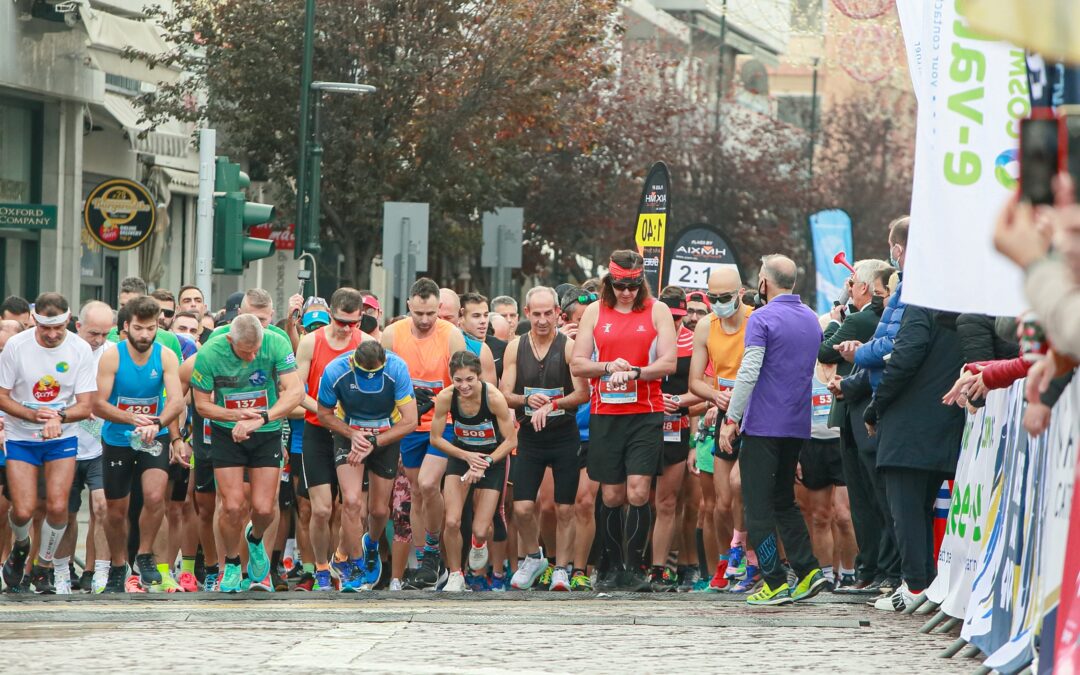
x=697, y=308
x=633, y=338
x=46, y=386
x=15, y=308
x=317, y=349
x=425, y=342
x=366, y=400
x=168, y=307
x=537, y=382
x=507, y=308
x=139, y=396
x=474, y=324
x=245, y=383
x=450, y=306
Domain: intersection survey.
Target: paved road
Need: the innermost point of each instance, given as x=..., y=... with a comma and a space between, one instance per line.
x=419, y=632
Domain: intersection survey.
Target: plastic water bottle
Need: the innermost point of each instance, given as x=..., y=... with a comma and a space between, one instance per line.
x=153, y=448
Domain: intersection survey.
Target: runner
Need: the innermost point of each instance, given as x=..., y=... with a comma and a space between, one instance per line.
x=245, y=382
x=425, y=342
x=450, y=306
x=139, y=398
x=697, y=308
x=718, y=346
x=537, y=382
x=317, y=349
x=15, y=308
x=635, y=346
x=484, y=435
x=366, y=400
x=46, y=386
x=168, y=307
x=474, y=325
x=507, y=308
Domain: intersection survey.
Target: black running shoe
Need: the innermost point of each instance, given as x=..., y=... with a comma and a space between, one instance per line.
x=42, y=579
x=117, y=577
x=279, y=580
x=86, y=582
x=636, y=581
x=15, y=567
x=148, y=572
x=427, y=575
x=610, y=581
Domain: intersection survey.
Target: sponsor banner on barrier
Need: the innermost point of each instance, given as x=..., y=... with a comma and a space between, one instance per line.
x=1066, y=657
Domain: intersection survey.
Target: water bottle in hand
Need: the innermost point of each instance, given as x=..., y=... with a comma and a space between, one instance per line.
x=153, y=448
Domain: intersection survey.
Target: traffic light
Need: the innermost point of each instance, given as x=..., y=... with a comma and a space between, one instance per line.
x=232, y=213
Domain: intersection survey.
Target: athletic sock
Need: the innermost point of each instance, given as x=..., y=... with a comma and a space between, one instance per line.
x=252, y=538
x=738, y=539
x=638, y=529
x=212, y=569
x=163, y=570
x=609, y=529
x=233, y=561
x=63, y=572
x=21, y=533
x=187, y=564
x=431, y=540
x=50, y=539
x=535, y=556
x=309, y=568
x=101, y=574
x=419, y=553
x=827, y=570
x=844, y=572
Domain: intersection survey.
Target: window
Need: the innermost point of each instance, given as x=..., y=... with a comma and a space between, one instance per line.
x=17, y=127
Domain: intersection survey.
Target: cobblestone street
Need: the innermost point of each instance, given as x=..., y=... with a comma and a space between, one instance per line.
x=416, y=632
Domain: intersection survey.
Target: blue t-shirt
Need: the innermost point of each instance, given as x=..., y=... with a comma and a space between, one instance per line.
x=791, y=335
x=296, y=437
x=583, y=421
x=364, y=399
x=188, y=347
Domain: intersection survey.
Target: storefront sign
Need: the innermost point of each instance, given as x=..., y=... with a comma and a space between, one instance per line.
x=120, y=214
x=28, y=216
x=284, y=238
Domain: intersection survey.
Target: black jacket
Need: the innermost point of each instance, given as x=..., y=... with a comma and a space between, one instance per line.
x=979, y=340
x=857, y=326
x=857, y=392
x=915, y=429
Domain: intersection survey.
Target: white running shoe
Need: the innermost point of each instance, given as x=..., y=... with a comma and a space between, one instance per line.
x=560, y=580
x=63, y=586
x=395, y=584
x=900, y=599
x=478, y=558
x=528, y=572
x=455, y=583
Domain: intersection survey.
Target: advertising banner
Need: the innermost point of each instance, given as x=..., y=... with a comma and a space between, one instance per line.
x=831, y=234
x=698, y=250
x=120, y=214
x=650, y=230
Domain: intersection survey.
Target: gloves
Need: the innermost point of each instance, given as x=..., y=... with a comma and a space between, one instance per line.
x=425, y=400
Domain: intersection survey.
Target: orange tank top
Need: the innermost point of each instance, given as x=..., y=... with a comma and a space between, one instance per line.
x=322, y=355
x=725, y=350
x=428, y=359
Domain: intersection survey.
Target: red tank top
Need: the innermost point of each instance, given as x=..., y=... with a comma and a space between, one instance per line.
x=322, y=355
x=630, y=336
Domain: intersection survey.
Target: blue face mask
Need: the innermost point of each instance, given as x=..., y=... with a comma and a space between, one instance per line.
x=724, y=310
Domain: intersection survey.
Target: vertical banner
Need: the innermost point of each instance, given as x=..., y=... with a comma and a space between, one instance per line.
x=1066, y=657
x=654, y=211
x=831, y=233
x=972, y=94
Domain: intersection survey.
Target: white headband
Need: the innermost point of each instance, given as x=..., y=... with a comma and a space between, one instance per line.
x=58, y=320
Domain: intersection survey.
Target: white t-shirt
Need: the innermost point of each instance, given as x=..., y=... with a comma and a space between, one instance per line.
x=89, y=430
x=45, y=378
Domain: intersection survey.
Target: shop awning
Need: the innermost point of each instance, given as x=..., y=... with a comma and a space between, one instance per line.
x=182, y=182
x=109, y=35
x=170, y=138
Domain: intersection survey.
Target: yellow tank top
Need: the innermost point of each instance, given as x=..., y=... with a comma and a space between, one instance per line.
x=726, y=350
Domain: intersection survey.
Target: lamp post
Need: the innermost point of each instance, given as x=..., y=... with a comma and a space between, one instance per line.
x=310, y=230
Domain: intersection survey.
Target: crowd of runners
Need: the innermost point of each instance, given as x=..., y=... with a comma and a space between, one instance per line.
x=601, y=437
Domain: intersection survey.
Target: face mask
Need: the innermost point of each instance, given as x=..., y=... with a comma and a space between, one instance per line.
x=763, y=299
x=877, y=303
x=724, y=310
x=894, y=261
x=368, y=323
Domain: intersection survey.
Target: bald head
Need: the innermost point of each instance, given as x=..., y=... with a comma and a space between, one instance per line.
x=499, y=326
x=449, y=306
x=95, y=322
x=725, y=279
x=8, y=327
x=780, y=271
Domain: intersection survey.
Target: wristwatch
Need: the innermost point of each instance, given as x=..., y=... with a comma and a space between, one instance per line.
x=637, y=372
x=676, y=400
x=490, y=461
x=374, y=440
x=62, y=414
x=265, y=416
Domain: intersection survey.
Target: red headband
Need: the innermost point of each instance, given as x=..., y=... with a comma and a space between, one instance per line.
x=619, y=273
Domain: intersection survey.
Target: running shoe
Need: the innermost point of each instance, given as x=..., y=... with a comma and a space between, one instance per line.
x=306, y=583
x=688, y=575
x=636, y=581
x=133, y=584
x=323, y=582
x=277, y=578
x=372, y=569
x=747, y=584
x=477, y=582
x=258, y=566
x=168, y=585
x=147, y=569
x=264, y=585
x=560, y=580
x=544, y=581
x=478, y=556
x=86, y=582
x=42, y=580
x=427, y=575
x=498, y=584
x=455, y=583
x=888, y=586
x=770, y=596
x=63, y=586
x=581, y=582
x=350, y=583
x=211, y=582
x=609, y=581
x=115, y=582
x=809, y=586
x=395, y=585
x=901, y=599
x=700, y=586
x=15, y=566
x=444, y=576
x=736, y=563
x=528, y=572
x=663, y=580
x=847, y=582
x=718, y=583
x=232, y=581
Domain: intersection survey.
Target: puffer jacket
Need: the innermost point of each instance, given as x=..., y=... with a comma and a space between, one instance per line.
x=872, y=355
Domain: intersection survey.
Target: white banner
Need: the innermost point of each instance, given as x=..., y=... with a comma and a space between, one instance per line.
x=971, y=96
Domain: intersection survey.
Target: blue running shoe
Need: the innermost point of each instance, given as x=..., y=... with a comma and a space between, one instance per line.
x=477, y=582
x=748, y=583
x=372, y=569
x=350, y=581
x=339, y=570
x=498, y=584
x=323, y=582
x=210, y=583
x=258, y=566
x=232, y=581
x=736, y=567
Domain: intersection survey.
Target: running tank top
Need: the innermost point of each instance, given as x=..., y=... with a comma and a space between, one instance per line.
x=321, y=355
x=677, y=425
x=726, y=351
x=428, y=359
x=472, y=344
x=821, y=400
x=479, y=433
x=630, y=336
x=136, y=389
x=551, y=376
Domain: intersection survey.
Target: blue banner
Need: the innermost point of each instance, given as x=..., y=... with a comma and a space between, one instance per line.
x=831, y=233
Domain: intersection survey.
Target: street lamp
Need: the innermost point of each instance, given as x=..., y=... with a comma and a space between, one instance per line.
x=310, y=230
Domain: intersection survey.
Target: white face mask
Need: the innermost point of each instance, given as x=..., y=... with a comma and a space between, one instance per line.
x=724, y=310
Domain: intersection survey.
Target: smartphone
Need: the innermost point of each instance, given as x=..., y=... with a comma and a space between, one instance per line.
x=1072, y=146
x=1040, y=158
x=303, y=276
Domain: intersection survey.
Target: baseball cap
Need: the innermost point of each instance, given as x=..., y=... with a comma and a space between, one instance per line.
x=372, y=302
x=369, y=381
x=232, y=306
x=316, y=318
x=677, y=306
x=697, y=296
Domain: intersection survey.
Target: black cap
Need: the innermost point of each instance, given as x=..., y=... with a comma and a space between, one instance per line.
x=677, y=305
x=232, y=306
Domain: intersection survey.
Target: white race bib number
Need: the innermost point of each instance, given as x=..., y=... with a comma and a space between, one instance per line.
x=617, y=394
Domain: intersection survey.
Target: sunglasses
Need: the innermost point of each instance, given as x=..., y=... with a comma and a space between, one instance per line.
x=346, y=323
x=624, y=286
x=168, y=313
x=722, y=298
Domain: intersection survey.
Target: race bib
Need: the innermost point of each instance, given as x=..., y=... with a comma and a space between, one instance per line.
x=206, y=431
x=821, y=404
x=434, y=386
x=554, y=394
x=617, y=394
x=724, y=384
x=370, y=427
x=138, y=406
x=482, y=434
x=246, y=400
x=673, y=426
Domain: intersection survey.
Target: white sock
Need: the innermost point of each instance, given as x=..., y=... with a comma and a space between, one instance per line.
x=21, y=532
x=63, y=572
x=846, y=572
x=101, y=573
x=827, y=570
x=50, y=540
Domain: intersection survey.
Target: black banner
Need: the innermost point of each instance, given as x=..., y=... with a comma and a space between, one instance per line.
x=697, y=252
x=654, y=211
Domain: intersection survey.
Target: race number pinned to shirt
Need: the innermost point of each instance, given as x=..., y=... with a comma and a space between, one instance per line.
x=207, y=430
x=375, y=427
x=821, y=402
x=616, y=394
x=434, y=386
x=724, y=384
x=138, y=406
x=482, y=434
x=246, y=400
x=554, y=394
x=673, y=426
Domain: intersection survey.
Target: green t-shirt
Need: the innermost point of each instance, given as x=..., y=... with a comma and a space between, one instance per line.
x=163, y=338
x=237, y=384
x=223, y=330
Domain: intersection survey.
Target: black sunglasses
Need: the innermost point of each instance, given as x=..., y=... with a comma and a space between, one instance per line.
x=346, y=323
x=723, y=298
x=168, y=313
x=626, y=286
